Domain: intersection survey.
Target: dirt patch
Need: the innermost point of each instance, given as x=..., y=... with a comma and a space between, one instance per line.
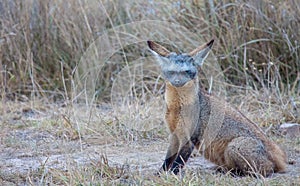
x=33, y=145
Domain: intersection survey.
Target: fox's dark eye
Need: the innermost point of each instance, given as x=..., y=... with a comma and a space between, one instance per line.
x=171, y=73
x=190, y=73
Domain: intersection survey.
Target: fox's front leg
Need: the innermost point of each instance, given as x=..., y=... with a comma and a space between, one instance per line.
x=171, y=153
x=182, y=157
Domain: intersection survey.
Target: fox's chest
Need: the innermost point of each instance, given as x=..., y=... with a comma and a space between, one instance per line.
x=182, y=109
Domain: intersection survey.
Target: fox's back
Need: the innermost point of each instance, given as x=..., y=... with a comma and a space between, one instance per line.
x=219, y=134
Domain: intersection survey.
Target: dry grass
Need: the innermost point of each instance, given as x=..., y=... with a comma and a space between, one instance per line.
x=60, y=59
x=257, y=40
x=77, y=146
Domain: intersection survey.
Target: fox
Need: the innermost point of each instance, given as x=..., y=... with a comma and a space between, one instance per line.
x=198, y=120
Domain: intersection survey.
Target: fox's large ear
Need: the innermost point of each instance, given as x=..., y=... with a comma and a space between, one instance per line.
x=158, y=49
x=200, y=53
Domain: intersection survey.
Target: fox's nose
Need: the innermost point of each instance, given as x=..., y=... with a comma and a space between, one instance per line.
x=177, y=83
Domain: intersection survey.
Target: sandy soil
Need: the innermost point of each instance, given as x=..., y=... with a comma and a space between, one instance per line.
x=28, y=146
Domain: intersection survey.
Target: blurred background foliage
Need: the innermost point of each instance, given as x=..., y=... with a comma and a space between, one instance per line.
x=41, y=42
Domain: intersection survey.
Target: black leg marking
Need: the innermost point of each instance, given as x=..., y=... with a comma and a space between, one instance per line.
x=183, y=155
x=168, y=162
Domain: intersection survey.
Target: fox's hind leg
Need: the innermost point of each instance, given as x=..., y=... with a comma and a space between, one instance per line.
x=248, y=155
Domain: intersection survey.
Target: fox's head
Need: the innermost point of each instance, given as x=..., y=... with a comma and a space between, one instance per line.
x=179, y=69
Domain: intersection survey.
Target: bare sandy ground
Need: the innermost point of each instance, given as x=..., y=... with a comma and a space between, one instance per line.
x=28, y=145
